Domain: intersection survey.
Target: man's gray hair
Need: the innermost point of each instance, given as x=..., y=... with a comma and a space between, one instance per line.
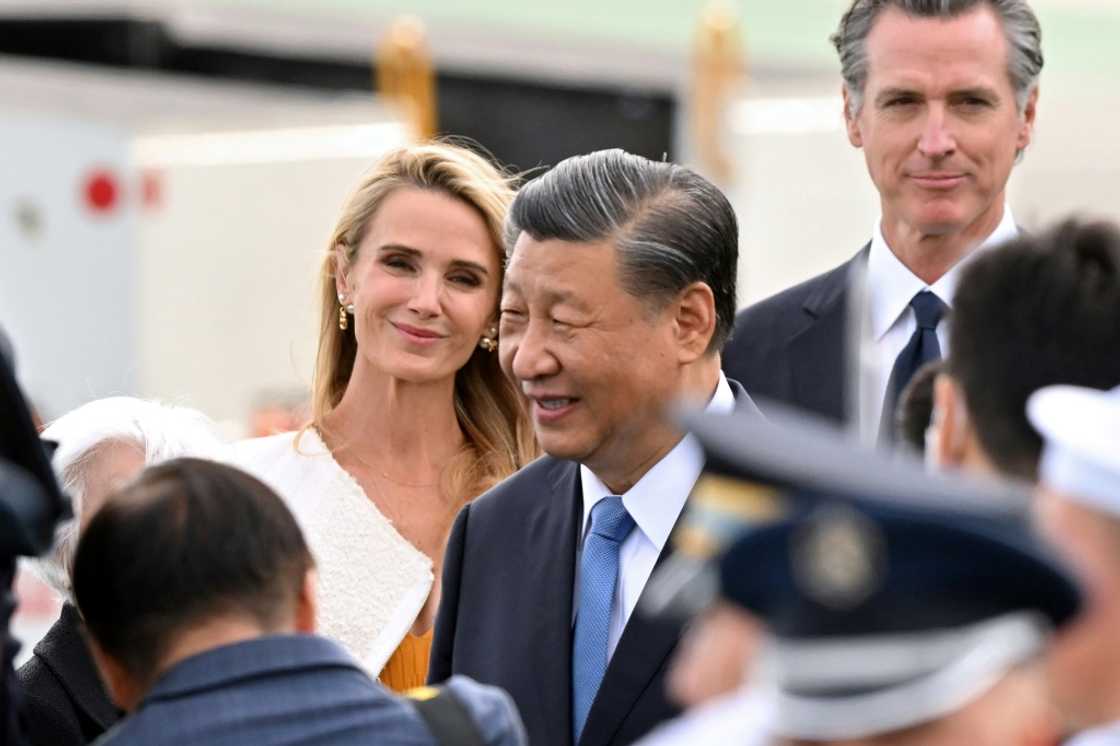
x=1020, y=26
x=670, y=226
x=159, y=431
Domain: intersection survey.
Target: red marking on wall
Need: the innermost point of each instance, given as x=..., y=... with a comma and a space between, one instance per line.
x=151, y=189
x=101, y=191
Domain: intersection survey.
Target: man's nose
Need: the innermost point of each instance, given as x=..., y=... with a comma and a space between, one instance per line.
x=937, y=139
x=529, y=354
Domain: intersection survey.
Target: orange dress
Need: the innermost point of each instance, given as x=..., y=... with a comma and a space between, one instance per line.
x=408, y=667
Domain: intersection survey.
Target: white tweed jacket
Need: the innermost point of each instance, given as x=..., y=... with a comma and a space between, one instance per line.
x=372, y=581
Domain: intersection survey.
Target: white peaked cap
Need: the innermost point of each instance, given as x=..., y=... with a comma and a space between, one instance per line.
x=1080, y=428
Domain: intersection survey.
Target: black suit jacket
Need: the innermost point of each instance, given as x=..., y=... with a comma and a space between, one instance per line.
x=505, y=617
x=64, y=701
x=792, y=347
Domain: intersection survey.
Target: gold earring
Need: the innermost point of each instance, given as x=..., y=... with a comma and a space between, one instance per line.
x=488, y=341
x=343, y=322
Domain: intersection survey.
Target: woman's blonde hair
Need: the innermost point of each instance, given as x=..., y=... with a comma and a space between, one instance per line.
x=489, y=408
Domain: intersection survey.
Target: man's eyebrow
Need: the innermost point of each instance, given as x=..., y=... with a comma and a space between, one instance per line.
x=550, y=297
x=977, y=91
x=568, y=298
x=895, y=92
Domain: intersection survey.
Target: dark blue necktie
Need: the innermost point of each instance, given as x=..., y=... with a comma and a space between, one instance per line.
x=921, y=349
x=598, y=578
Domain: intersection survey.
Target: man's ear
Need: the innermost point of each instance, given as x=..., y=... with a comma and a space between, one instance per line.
x=307, y=604
x=851, y=118
x=124, y=690
x=1026, y=129
x=950, y=423
x=695, y=321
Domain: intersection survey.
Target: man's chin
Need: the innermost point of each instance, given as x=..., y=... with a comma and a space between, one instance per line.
x=562, y=447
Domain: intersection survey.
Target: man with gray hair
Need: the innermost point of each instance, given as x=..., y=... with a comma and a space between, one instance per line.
x=619, y=294
x=941, y=97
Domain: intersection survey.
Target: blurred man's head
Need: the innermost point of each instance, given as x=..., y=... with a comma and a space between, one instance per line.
x=191, y=556
x=619, y=294
x=915, y=407
x=1079, y=509
x=1041, y=310
x=888, y=625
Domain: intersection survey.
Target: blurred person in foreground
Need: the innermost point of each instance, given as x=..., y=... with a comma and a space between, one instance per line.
x=1043, y=310
x=102, y=445
x=882, y=629
x=619, y=294
x=411, y=415
x=895, y=607
x=941, y=97
x=1079, y=509
x=915, y=409
x=198, y=592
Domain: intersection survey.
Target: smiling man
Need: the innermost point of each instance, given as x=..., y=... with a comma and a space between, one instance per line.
x=619, y=294
x=941, y=97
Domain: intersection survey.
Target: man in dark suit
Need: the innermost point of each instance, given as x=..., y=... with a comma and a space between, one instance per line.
x=618, y=297
x=197, y=589
x=941, y=97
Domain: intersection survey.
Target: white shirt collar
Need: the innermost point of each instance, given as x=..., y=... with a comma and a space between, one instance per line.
x=892, y=285
x=1105, y=735
x=657, y=499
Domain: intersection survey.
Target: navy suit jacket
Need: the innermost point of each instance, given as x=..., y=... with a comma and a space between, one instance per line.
x=792, y=347
x=292, y=689
x=505, y=617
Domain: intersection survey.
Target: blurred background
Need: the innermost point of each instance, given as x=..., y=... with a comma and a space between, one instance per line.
x=170, y=170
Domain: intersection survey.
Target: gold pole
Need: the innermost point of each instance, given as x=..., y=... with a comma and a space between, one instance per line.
x=719, y=69
x=405, y=76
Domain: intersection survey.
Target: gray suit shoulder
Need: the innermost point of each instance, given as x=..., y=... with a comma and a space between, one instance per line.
x=492, y=710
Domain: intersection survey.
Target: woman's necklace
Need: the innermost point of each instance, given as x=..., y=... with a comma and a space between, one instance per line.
x=381, y=472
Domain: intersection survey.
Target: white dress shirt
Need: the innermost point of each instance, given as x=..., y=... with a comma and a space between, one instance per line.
x=890, y=287
x=654, y=503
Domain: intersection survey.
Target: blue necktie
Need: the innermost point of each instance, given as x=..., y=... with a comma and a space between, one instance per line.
x=921, y=349
x=598, y=578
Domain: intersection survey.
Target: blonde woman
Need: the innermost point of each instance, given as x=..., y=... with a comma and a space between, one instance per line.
x=411, y=415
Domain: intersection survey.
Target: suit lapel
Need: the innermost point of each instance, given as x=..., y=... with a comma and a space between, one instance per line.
x=818, y=352
x=551, y=553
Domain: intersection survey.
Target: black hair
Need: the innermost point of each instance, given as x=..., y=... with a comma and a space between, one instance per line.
x=1042, y=310
x=670, y=226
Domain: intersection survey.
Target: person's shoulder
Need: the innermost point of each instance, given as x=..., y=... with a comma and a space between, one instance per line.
x=47, y=713
x=269, y=447
x=283, y=460
x=821, y=287
x=524, y=488
x=527, y=481
x=491, y=709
